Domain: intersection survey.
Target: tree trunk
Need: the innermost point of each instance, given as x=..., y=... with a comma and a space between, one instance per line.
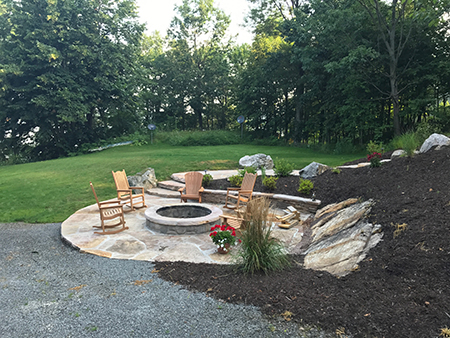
x=396, y=106
x=299, y=113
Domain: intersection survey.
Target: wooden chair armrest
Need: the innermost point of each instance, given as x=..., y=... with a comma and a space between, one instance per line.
x=109, y=202
x=201, y=189
x=234, y=189
x=181, y=189
x=137, y=188
x=246, y=191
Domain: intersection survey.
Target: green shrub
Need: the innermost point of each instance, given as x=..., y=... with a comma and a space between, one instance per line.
x=270, y=182
x=426, y=128
x=206, y=179
x=282, y=167
x=374, y=159
x=305, y=187
x=373, y=147
x=259, y=251
x=198, y=138
x=236, y=180
x=250, y=170
x=336, y=171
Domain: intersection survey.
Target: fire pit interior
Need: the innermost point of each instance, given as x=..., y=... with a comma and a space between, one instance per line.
x=183, y=211
x=182, y=219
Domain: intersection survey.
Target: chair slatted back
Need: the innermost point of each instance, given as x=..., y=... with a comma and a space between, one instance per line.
x=120, y=178
x=248, y=183
x=193, y=182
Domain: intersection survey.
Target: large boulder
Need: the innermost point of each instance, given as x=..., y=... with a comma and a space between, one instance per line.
x=146, y=179
x=257, y=161
x=312, y=170
x=341, y=237
x=438, y=140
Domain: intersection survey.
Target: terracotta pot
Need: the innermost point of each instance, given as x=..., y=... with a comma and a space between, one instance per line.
x=224, y=250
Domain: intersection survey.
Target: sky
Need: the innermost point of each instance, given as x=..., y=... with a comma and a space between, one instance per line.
x=158, y=14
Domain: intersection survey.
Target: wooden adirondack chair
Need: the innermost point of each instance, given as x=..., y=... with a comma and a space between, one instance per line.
x=109, y=211
x=193, y=187
x=244, y=192
x=125, y=192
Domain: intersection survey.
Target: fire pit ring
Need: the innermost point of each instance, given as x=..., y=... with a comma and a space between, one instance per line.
x=182, y=218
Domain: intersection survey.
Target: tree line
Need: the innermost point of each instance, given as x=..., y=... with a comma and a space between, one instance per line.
x=321, y=71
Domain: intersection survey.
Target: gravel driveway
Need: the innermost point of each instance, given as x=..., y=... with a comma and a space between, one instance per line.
x=48, y=289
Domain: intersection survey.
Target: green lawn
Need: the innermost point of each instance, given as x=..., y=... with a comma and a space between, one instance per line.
x=51, y=191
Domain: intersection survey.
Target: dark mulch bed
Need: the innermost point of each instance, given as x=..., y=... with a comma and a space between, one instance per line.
x=401, y=288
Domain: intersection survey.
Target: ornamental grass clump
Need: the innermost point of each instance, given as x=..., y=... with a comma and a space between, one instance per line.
x=259, y=250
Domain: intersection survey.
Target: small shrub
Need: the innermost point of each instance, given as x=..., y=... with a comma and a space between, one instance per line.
x=206, y=179
x=374, y=159
x=236, y=180
x=282, y=167
x=250, y=170
x=336, y=171
x=305, y=187
x=139, y=143
x=270, y=182
x=373, y=147
x=259, y=250
x=428, y=127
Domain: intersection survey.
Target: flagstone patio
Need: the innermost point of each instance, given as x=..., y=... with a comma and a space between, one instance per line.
x=141, y=243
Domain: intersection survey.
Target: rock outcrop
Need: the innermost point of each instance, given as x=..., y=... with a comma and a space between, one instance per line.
x=146, y=179
x=341, y=237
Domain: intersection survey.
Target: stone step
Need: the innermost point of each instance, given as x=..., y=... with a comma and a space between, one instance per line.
x=163, y=193
x=170, y=185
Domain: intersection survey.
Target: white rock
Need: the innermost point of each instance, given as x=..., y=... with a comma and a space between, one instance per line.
x=438, y=140
x=398, y=153
x=257, y=161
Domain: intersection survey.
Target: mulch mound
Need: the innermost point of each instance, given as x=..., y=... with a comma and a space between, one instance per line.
x=400, y=290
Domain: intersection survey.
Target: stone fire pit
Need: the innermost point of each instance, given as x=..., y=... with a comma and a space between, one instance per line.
x=182, y=219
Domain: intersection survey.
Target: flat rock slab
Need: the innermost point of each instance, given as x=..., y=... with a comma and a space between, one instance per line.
x=170, y=185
